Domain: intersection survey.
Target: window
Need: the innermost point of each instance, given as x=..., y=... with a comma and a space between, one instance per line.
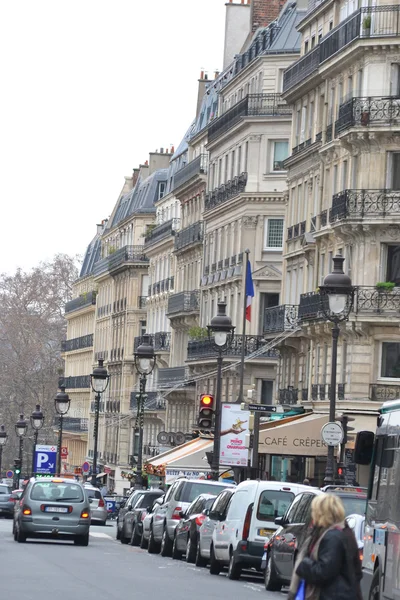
x=313, y=41
x=306, y=47
x=273, y=504
x=267, y=388
x=281, y=152
x=161, y=189
x=273, y=234
x=390, y=360
x=393, y=264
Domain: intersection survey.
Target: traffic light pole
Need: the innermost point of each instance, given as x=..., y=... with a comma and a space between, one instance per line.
x=140, y=417
x=217, y=421
x=96, y=438
x=19, y=465
x=35, y=441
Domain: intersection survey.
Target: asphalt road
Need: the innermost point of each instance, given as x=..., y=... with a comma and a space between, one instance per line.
x=108, y=570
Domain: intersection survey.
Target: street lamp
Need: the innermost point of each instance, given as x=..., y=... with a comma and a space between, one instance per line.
x=337, y=288
x=3, y=440
x=99, y=381
x=145, y=361
x=37, y=420
x=220, y=334
x=21, y=427
x=61, y=402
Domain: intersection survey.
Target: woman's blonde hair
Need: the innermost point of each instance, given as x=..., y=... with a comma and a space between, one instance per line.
x=326, y=510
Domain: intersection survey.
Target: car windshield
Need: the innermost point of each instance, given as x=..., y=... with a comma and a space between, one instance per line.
x=50, y=491
x=353, y=505
x=273, y=503
x=191, y=490
x=4, y=489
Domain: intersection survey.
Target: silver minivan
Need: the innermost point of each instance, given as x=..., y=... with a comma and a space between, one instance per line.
x=54, y=508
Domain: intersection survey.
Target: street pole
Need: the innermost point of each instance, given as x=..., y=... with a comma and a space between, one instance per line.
x=35, y=441
x=96, y=438
x=1, y=459
x=16, y=476
x=140, y=416
x=60, y=432
x=330, y=463
x=256, y=438
x=243, y=349
x=217, y=420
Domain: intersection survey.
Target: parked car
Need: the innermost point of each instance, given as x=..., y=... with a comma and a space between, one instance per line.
x=293, y=528
x=217, y=512
x=124, y=508
x=98, y=509
x=167, y=515
x=16, y=499
x=54, y=508
x=238, y=540
x=187, y=531
x=6, y=501
x=144, y=500
x=146, y=521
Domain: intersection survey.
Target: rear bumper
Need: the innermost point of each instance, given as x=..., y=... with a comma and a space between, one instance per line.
x=249, y=554
x=31, y=529
x=6, y=509
x=99, y=514
x=171, y=526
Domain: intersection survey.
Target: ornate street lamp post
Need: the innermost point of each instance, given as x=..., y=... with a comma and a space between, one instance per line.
x=3, y=441
x=62, y=403
x=21, y=427
x=145, y=361
x=37, y=420
x=339, y=292
x=99, y=381
x=220, y=334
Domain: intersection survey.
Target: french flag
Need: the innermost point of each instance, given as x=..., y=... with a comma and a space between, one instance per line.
x=249, y=291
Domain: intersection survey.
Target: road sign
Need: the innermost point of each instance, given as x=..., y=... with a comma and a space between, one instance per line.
x=332, y=434
x=263, y=407
x=10, y=474
x=86, y=467
x=45, y=460
x=64, y=452
x=110, y=505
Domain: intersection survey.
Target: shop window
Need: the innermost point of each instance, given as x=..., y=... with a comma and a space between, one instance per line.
x=390, y=360
x=273, y=234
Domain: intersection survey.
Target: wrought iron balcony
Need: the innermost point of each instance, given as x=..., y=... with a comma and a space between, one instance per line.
x=80, y=302
x=322, y=391
x=171, y=376
x=364, y=204
x=254, y=105
x=323, y=218
x=310, y=307
x=225, y=192
x=184, y=302
x=302, y=68
x=289, y=395
x=370, y=300
x=162, y=231
x=280, y=318
x=72, y=424
x=203, y=348
x=160, y=340
x=85, y=341
x=153, y=401
x=194, y=167
x=374, y=111
x=382, y=392
x=77, y=382
x=190, y=235
x=127, y=254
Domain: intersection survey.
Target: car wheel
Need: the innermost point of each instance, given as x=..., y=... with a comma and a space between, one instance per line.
x=143, y=542
x=153, y=547
x=176, y=554
x=166, y=544
x=82, y=540
x=234, y=569
x=374, y=592
x=15, y=534
x=215, y=565
x=103, y=523
x=123, y=539
x=272, y=583
x=118, y=534
x=135, y=538
x=200, y=561
x=190, y=550
x=21, y=537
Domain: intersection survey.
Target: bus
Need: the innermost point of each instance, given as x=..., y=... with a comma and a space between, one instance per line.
x=381, y=451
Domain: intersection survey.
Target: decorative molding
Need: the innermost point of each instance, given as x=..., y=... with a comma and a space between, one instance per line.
x=250, y=222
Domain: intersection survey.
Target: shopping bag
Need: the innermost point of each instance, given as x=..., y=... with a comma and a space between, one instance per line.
x=301, y=592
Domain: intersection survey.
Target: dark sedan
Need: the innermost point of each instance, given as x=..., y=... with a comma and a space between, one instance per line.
x=6, y=501
x=187, y=531
x=130, y=521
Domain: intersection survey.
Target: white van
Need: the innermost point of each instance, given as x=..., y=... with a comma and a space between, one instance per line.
x=238, y=539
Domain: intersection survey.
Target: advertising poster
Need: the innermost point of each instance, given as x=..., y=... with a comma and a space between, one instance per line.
x=234, y=427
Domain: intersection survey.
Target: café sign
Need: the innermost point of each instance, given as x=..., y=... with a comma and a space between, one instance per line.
x=301, y=437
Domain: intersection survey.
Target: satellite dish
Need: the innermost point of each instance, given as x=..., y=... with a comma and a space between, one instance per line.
x=180, y=438
x=163, y=437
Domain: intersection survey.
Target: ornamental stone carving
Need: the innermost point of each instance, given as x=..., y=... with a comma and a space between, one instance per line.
x=250, y=222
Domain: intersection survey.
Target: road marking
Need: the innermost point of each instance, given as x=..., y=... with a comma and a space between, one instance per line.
x=100, y=535
x=253, y=587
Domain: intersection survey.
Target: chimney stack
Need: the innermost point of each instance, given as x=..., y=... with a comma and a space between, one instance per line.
x=263, y=12
x=237, y=28
x=201, y=91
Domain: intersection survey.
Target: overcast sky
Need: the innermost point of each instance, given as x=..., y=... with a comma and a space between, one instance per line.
x=88, y=88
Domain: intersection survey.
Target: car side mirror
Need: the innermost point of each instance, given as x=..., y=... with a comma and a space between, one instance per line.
x=182, y=514
x=206, y=512
x=280, y=521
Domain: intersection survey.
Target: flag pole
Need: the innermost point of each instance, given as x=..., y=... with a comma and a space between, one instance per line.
x=243, y=353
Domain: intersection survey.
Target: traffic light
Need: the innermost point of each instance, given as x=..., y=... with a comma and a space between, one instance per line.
x=17, y=466
x=345, y=420
x=206, y=411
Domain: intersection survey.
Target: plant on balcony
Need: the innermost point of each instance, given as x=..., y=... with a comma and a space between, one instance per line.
x=198, y=333
x=367, y=25
x=111, y=250
x=385, y=286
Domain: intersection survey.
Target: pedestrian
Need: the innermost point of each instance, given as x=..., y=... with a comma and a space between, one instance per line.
x=328, y=562
x=306, y=481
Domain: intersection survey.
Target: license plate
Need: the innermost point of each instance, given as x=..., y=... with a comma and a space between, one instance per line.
x=264, y=561
x=56, y=509
x=265, y=532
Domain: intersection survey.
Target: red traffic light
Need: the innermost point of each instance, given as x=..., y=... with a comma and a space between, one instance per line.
x=206, y=411
x=206, y=401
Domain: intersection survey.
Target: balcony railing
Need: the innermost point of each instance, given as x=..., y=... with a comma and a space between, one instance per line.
x=85, y=341
x=374, y=111
x=322, y=391
x=384, y=23
x=78, y=382
x=310, y=307
x=382, y=392
x=160, y=340
x=190, y=235
x=370, y=300
x=203, y=348
x=195, y=167
x=153, y=401
x=288, y=395
x=73, y=424
x=162, y=231
x=184, y=302
x=254, y=105
x=364, y=204
x=280, y=318
x=127, y=254
x=84, y=300
x=224, y=192
x=170, y=376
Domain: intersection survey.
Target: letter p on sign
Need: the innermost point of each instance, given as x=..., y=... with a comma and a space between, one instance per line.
x=42, y=459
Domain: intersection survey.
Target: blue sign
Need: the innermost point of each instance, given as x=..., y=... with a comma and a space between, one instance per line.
x=45, y=460
x=86, y=467
x=10, y=474
x=110, y=504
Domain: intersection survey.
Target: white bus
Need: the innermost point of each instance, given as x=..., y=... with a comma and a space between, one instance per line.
x=381, y=560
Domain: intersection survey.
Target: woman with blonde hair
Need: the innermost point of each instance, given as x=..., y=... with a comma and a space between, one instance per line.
x=327, y=566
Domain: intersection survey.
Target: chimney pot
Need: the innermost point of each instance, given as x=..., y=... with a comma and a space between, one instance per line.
x=201, y=74
x=172, y=149
x=146, y=162
x=162, y=150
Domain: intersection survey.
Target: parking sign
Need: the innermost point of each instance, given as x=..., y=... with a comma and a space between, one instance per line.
x=45, y=460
